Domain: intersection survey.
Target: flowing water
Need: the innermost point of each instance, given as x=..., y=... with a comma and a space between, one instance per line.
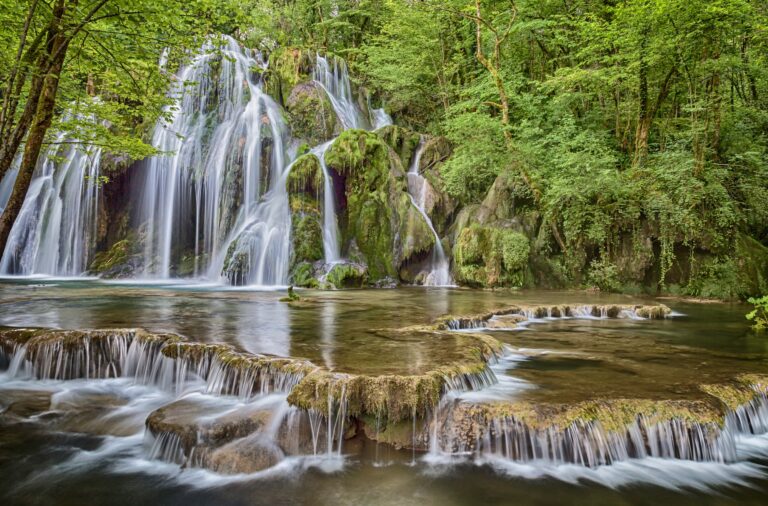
x=73, y=425
x=55, y=232
x=331, y=244
x=224, y=181
x=116, y=414
x=440, y=272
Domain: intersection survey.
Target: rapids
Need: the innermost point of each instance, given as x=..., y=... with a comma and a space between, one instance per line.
x=223, y=409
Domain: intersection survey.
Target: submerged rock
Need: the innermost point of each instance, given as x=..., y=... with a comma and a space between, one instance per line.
x=245, y=456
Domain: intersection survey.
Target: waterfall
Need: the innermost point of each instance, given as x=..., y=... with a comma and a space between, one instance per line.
x=331, y=247
x=55, y=231
x=439, y=274
x=220, y=193
x=335, y=81
x=6, y=185
x=380, y=118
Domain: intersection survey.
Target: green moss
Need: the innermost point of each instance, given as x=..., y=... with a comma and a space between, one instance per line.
x=116, y=255
x=303, y=275
x=372, y=196
x=287, y=68
x=490, y=256
x=347, y=275
x=311, y=114
x=404, y=142
x=738, y=275
x=304, y=185
x=415, y=233
x=305, y=176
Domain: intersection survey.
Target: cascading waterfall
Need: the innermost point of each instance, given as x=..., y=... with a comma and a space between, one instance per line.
x=334, y=79
x=6, y=184
x=331, y=246
x=440, y=274
x=221, y=192
x=55, y=232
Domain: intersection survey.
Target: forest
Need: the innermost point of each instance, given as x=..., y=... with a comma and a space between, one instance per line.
x=626, y=140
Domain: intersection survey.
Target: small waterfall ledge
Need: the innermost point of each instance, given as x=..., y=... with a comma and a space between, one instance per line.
x=513, y=317
x=273, y=407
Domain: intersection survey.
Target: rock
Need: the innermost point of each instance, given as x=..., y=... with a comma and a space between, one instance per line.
x=505, y=321
x=191, y=421
x=287, y=67
x=305, y=187
x=653, y=312
x=487, y=256
x=404, y=142
x=376, y=200
x=347, y=275
x=311, y=114
x=24, y=403
x=245, y=456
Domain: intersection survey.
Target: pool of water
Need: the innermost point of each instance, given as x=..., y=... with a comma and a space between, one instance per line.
x=91, y=447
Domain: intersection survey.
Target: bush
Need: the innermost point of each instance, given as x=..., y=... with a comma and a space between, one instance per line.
x=759, y=315
x=604, y=275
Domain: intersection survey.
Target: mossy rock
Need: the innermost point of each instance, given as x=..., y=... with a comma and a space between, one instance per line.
x=435, y=151
x=305, y=187
x=404, y=142
x=119, y=261
x=287, y=67
x=374, y=199
x=305, y=177
x=304, y=275
x=311, y=114
x=490, y=256
x=347, y=275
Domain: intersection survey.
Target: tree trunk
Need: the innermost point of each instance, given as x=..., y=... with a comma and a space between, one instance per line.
x=50, y=67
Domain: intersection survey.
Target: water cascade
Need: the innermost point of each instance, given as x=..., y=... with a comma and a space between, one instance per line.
x=6, y=184
x=331, y=245
x=223, y=176
x=55, y=231
x=334, y=79
x=439, y=274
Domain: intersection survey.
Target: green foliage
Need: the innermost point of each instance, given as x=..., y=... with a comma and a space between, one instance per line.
x=490, y=256
x=604, y=275
x=759, y=315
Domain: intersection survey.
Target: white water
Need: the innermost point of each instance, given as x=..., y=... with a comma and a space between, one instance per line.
x=331, y=245
x=6, y=184
x=334, y=79
x=440, y=272
x=55, y=231
x=218, y=189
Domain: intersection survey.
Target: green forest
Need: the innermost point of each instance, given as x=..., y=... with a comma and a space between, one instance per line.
x=617, y=145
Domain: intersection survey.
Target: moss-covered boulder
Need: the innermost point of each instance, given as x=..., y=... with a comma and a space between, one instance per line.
x=311, y=114
x=123, y=259
x=490, y=256
x=287, y=67
x=346, y=275
x=305, y=186
x=375, y=203
x=403, y=141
